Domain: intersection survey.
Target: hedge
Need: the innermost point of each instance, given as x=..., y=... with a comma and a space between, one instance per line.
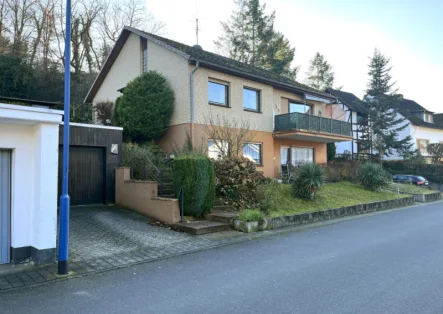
x=196, y=176
x=432, y=172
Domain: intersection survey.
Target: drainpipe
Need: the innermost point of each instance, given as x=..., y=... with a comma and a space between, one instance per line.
x=191, y=78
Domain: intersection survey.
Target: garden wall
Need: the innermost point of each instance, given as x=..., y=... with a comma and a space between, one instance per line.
x=141, y=196
x=285, y=221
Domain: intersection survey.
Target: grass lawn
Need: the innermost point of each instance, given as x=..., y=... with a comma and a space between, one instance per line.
x=409, y=188
x=331, y=195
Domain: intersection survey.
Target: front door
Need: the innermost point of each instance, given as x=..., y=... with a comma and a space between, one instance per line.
x=5, y=206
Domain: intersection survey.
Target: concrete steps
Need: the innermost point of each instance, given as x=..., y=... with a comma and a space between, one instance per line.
x=199, y=227
x=225, y=217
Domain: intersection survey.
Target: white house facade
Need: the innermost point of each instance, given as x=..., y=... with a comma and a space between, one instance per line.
x=28, y=183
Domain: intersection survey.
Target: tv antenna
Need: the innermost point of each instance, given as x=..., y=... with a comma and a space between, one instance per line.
x=196, y=29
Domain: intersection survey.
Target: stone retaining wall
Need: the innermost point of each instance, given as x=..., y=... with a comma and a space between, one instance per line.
x=422, y=198
x=298, y=219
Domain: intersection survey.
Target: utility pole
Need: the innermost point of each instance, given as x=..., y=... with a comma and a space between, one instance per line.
x=63, y=237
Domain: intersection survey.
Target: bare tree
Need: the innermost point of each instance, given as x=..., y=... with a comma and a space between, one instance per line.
x=229, y=135
x=118, y=14
x=21, y=17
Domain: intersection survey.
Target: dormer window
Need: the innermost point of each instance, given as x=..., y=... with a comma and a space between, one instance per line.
x=427, y=117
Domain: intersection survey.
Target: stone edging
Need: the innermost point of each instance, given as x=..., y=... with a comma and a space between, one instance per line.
x=422, y=198
x=298, y=219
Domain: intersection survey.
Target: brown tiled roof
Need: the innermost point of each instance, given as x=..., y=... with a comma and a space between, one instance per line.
x=210, y=60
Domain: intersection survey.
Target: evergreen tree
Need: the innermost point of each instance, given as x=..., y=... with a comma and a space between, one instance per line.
x=320, y=75
x=383, y=120
x=249, y=37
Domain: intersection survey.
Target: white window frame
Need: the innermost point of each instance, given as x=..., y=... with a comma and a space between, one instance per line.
x=260, y=162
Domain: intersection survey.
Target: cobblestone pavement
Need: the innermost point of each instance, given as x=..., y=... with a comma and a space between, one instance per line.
x=105, y=237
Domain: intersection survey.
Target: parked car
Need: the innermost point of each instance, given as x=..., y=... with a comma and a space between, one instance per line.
x=406, y=178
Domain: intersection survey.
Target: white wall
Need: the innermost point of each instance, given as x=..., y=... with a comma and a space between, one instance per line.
x=347, y=146
x=32, y=135
x=126, y=67
x=176, y=70
x=433, y=135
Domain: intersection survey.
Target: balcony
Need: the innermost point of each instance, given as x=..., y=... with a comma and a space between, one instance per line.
x=307, y=127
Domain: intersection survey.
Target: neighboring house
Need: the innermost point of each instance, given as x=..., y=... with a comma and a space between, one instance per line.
x=28, y=183
x=350, y=109
x=290, y=118
x=424, y=127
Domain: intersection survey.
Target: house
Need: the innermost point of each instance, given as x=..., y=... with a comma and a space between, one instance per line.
x=290, y=118
x=425, y=127
x=350, y=109
x=28, y=183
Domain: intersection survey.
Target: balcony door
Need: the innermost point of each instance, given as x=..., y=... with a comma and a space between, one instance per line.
x=296, y=155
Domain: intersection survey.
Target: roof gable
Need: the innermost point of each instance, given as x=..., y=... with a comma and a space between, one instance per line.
x=348, y=99
x=206, y=59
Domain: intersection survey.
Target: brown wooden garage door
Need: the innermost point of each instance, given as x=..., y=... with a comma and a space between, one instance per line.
x=86, y=175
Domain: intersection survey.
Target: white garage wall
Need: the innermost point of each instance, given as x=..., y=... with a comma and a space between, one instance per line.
x=32, y=135
x=20, y=139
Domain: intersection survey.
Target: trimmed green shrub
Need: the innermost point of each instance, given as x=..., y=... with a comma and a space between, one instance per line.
x=309, y=180
x=237, y=181
x=372, y=176
x=432, y=172
x=145, y=108
x=196, y=176
x=250, y=215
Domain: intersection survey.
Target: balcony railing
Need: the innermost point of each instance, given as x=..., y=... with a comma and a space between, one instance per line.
x=300, y=121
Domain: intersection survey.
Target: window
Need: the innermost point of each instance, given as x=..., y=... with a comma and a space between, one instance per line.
x=218, y=94
x=217, y=150
x=251, y=99
x=300, y=108
x=427, y=117
x=253, y=151
x=144, y=54
x=302, y=155
x=422, y=146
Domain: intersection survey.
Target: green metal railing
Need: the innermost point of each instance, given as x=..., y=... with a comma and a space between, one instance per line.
x=301, y=121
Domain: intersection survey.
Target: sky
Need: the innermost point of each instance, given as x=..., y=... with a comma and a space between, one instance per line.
x=346, y=32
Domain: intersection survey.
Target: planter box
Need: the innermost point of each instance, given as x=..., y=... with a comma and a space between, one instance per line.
x=246, y=226
x=298, y=219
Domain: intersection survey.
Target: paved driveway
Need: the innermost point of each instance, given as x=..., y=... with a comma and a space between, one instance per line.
x=101, y=231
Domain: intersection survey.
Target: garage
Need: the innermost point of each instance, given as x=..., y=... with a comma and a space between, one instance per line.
x=5, y=206
x=86, y=180
x=94, y=153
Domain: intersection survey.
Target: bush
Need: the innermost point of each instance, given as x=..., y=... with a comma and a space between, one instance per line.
x=81, y=113
x=145, y=108
x=196, y=176
x=309, y=180
x=342, y=171
x=103, y=111
x=237, y=181
x=372, y=176
x=142, y=159
x=250, y=215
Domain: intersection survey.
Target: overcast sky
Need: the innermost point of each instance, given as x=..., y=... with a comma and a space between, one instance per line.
x=344, y=31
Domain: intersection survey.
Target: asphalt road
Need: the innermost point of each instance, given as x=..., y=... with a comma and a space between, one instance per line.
x=390, y=262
